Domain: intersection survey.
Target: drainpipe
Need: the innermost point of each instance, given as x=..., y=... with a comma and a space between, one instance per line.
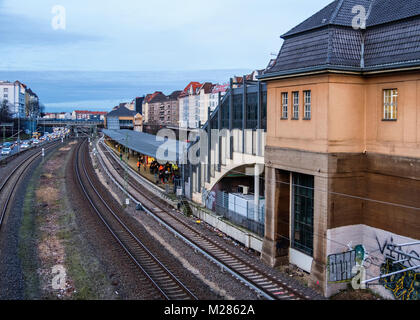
x=256, y=191
x=362, y=51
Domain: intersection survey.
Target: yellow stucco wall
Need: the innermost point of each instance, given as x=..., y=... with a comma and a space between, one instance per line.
x=347, y=114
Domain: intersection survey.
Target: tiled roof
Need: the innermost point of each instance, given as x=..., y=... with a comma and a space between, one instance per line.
x=121, y=112
x=220, y=88
x=149, y=97
x=207, y=87
x=328, y=40
x=186, y=92
x=158, y=97
x=174, y=95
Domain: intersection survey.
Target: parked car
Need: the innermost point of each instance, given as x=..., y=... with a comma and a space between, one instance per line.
x=6, y=151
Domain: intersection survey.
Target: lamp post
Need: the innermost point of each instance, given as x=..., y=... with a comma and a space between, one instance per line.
x=18, y=140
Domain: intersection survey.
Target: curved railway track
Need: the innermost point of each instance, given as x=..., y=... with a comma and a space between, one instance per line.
x=268, y=286
x=10, y=183
x=160, y=277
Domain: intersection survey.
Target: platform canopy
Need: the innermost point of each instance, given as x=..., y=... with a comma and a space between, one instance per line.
x=164, y=150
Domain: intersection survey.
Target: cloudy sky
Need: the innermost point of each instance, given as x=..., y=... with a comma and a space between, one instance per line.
x=138, y=35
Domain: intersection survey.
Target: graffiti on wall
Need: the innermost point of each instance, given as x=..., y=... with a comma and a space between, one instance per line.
x=404, y=285
x=209, y=199
x=341, y=265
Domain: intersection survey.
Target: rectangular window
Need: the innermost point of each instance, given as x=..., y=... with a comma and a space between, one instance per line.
x=308, y=100
x=285, y=105
x=295, y=105
x=303, y=213
x=390, y=104
x=6, y=89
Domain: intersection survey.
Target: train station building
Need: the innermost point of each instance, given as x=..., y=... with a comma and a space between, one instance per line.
x=342, y=151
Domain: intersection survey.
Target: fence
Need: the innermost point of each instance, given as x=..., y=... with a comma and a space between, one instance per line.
x=248, y=222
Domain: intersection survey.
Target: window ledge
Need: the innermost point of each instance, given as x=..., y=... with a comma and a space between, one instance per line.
x=307, y=119
x=295, y=119
x=389, y=120
x=284, y=118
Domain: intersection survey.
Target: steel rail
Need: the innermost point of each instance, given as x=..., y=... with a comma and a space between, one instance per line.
x=243, y=278
x=23, y=165
x=124, y=226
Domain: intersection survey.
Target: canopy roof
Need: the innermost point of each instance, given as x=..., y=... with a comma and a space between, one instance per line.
x=149, y=145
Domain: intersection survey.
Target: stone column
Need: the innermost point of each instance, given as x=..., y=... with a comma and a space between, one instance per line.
x=318, y=278
x=269, y=254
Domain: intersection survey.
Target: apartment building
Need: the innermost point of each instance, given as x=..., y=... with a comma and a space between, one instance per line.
x=189, y=106
x=14, y=93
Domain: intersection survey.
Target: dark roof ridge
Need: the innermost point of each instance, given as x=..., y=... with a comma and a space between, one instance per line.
x=337, y=10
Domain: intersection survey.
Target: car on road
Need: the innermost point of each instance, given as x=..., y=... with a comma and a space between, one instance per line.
x=24, y=146
x=6, y=151
x=36, y=142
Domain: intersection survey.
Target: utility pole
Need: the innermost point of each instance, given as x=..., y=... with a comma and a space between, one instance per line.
x=18, y=141
x=127, y=201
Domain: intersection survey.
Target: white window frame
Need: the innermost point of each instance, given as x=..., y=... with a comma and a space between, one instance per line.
x=390, y=104
x=285, y=105
x=307, y=94
x=295, y=105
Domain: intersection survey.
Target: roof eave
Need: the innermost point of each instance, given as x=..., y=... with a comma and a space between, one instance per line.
x=309, y=71
x=405, y=66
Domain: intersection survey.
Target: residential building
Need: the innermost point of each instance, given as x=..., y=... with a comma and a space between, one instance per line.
x=14, y=93
x=139, y=104
x=88, y=115
x=189, y=106
x=59, y=116
x=123, y=118
x=342, y=152
x=146, y=107
x=214, y=96
x=164, y=110
x=155, y=104
x=171, y=109
x=205, y=93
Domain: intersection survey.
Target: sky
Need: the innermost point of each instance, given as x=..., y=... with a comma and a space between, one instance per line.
x=138, y=35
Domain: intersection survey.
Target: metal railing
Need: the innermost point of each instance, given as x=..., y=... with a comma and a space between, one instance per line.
x=221, y=208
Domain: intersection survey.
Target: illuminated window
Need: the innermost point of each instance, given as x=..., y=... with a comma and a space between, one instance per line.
x=390, y=104
x=285, y=105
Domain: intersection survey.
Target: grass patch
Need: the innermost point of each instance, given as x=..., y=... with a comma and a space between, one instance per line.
x=28, y=241
x=84, y=270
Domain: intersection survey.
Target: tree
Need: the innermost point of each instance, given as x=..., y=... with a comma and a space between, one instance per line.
x=5, y=116
x=41, y=112
x=32, y=108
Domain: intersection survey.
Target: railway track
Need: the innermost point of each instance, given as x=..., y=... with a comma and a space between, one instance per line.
x=159, y=276
x=266, y=285
x=10, y=183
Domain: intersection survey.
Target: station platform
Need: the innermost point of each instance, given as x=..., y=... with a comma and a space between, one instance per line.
x=132, y=162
